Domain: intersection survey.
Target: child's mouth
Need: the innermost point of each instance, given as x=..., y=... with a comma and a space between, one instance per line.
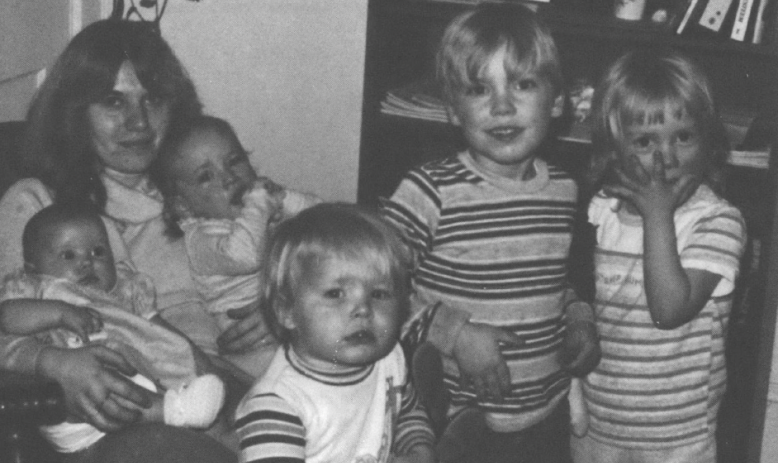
x=505, y=133
x=361, y=337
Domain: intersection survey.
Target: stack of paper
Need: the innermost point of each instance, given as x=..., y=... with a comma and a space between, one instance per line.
x=755, y=159
x=417, y=101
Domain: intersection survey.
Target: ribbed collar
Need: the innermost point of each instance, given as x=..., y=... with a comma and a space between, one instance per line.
x=343, y=377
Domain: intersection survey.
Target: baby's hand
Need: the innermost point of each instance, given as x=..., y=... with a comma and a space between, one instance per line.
x=81, y=320
x=417, y=454
x=477, y=352
x=275, y=197
x=652, y=192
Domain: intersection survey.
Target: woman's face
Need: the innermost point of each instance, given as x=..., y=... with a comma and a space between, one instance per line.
x=129, y=124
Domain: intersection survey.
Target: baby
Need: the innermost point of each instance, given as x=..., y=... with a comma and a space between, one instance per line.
x=225, y=212
x=70, y=293
x=336, y=293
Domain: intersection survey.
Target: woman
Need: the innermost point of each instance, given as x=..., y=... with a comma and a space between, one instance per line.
x=93, y=129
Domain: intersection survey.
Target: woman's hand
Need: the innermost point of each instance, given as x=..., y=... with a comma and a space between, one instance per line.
x=94, y=383
x=248, y=333
x=477, y=352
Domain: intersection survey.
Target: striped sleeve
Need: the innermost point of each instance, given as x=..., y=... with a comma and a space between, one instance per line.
x=269, y=431
x=415, y=210
x=717, y=244
x=413, y=425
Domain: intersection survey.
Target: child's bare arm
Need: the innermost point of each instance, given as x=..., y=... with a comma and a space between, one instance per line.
x=675, y=295
x=24, y=317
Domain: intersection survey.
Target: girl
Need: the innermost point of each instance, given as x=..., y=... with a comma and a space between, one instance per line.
x=336, y=292
x=225, y=211
x=667, y=256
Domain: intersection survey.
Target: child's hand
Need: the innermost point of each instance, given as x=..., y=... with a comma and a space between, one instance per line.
x=275, y=197
x=477, y=352
x=81, y=320
x=580, y=348
x=652, y=193
x=417, y=454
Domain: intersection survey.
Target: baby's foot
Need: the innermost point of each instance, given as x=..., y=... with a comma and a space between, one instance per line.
x=195, y=405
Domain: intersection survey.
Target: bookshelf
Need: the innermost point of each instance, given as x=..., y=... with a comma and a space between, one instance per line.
x=401, y=39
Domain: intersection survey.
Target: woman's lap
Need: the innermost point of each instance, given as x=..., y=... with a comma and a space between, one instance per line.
x=155, y=443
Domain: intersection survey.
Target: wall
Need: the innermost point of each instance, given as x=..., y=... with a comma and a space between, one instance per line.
x=288, y=75
x=33, y=34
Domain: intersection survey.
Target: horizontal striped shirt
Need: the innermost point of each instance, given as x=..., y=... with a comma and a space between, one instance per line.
x=298, y=414
x=657, y=388
x=496, y=249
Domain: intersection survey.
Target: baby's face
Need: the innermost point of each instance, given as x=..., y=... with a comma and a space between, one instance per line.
x=344, y=314
x=78, y=251
x=212, y=175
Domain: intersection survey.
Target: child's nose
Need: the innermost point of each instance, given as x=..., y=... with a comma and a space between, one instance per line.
x=85, y=263
x=502, y=104
x=669, y=156
x=362, y=308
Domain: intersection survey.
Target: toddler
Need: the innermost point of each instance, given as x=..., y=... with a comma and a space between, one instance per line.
x=491, y=228
x=337, y=391
x=667, y=257
x=71, y=294
x=225, y=212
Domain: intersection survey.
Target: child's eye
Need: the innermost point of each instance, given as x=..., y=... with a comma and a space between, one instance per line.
x=526, y=84
x=686, y=138
x=68, y=254
x=333, y=293
x=99, y=252
x=642, y=143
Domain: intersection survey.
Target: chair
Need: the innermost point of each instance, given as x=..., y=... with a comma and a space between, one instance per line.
x=25, y=401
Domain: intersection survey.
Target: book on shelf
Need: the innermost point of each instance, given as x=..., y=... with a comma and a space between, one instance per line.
x=417, y=100
x=742, y=14
x=759, y=22
x=714, y=14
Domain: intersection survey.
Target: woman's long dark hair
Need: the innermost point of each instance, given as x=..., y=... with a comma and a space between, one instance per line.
x=57, y=148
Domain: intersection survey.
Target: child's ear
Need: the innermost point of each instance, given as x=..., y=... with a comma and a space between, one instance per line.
x=559, y=106
x=452, y=116
x=283, y=312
